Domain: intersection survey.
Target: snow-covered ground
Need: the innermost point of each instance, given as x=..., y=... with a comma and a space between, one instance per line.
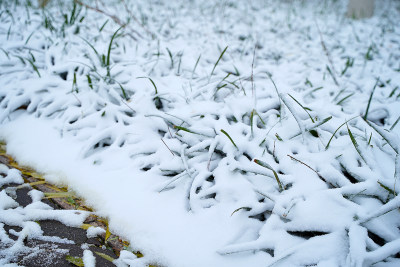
x=215, y=133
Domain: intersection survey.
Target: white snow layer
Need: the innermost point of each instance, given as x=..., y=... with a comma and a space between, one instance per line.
x=242, y=133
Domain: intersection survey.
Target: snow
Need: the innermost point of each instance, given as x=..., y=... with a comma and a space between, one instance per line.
x=88, y=259
x=162, y=142
x=94, y=231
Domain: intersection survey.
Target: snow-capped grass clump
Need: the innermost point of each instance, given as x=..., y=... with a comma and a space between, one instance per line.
x=215, y=133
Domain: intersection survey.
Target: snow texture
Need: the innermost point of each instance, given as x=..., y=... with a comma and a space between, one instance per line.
x=212, y=133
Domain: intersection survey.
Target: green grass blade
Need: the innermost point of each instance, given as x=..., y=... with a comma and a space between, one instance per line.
x=387, y=188
x=152, y=82
x=370, y=99
x=333, y=135
x=227, y=135
x=104, y=24
x=89, y=81
x=344, y=98
x=262, y=121
x=5, y=52
x=314, y=127
x=322, y=122
x=241, y=208
x=216, y=63
x=34, y=67
x=123, y=91
x=302, y=108
x=171, y=58
x=29, y=37
x=266, y=165
x=195, y=65
x=251, y=121
x=184, y=129
x=394, y=124
x=353, y=140
x=110, y=45
x=91, y=46
x=72, y=18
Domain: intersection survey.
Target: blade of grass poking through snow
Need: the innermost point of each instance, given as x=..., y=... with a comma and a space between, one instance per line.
x=262, y=121
x=390, y=138
x=251, y=121
x=266, y=165
x=94, y=49
x=34, y=67
x=74, y=85
x=187, y=130
x=370, y=99
x=370, y=138
x=104, y=24
x=353, y=140
x=110, y=45
x=241, y=208
x=216, y=63
x=333, y=135
x=109, y=50
x=308, y=166
x=89, y=81
x=304, y=108
x=171, y=58
x=387, y=188
x=152, y=82
x=195, y=65
x=344, y=99
x=322, y=122
x=123, y=91
x=227, y=135
x=394, y=124
x=29, y=37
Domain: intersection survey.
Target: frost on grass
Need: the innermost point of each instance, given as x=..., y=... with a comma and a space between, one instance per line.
x=285, y=113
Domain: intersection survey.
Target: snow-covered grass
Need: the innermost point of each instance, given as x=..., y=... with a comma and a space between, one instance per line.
x=214, y=133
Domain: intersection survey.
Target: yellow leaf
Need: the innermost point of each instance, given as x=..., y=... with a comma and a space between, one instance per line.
x=74, y=260
x=108, y=233
x=86, y=226
x=105, y=256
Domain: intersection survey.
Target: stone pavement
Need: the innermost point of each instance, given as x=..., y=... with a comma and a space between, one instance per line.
x=54, y=251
